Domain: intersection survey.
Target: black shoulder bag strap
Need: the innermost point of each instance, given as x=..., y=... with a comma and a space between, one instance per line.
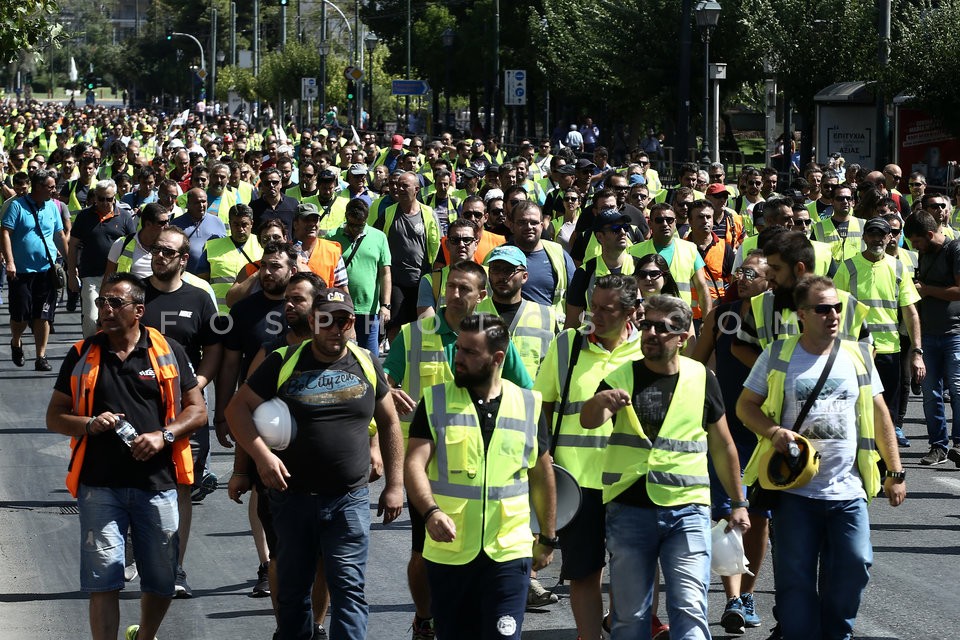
x=356, y=247
x=43, y=240
x=815, y=393
x=565, y=393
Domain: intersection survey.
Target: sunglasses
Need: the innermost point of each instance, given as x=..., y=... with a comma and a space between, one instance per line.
x=574, y=199
x=641, y=196
x=803, y=222
x=340, y=322
x=643, y=163
x=895, y=232
x=273, y=182
x=937, y=205
x=166, y=252
x=115, y=302
x=497, y=211
x=843, y=198
x=649, y=274
x=664, y=220
x=460, y=240
x=824, y=309
x=616, y=228
x=472, y=215
x=747, y=274
x=621, y=188
x=658, y=326
x=515, y=201
x=916, y=184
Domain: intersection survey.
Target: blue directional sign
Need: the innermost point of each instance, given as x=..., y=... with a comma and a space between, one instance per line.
x=410, y=87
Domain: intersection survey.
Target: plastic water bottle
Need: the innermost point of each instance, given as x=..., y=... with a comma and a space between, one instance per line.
x=298, y=246
x=127, y=432
x=794, y=450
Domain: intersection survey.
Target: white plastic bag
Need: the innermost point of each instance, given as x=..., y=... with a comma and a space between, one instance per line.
x=727, y=558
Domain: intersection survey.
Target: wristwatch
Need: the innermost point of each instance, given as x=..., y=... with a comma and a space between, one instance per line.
x=553, y=542
x=919, y=352
x=896, y=475
x=736, y=504
x=167, y=436
x=385, y=306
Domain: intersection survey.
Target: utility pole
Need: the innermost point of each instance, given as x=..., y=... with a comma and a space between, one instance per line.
x=256, y=50
x=212, y=99
x=233, y=34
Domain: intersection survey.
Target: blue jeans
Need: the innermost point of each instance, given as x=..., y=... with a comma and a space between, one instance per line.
x=637, y=537
x=834, y=534
x=941, y=357
x=105, y=515
x=338, y=529
x=368, y=333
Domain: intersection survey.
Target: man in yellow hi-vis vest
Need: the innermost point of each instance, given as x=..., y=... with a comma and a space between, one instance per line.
x=826, y=389
x=667, y=413
x=478, y=458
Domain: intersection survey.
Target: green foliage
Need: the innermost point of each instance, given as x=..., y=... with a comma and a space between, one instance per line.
x=27, y=24
x=924, y=60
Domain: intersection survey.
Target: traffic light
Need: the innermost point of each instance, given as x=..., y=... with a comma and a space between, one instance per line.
x=351, y=87
x=284, y=3
x=169, y=34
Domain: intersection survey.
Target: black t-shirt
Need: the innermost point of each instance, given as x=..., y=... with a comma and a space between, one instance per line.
x=253, y=321
x=129, y=387
x=97, y=238
x=187, y=315
x=507, y=310
x=940, y=317
x=332, y=405
x=652, y=394
x=285, y=210
x=487, y=412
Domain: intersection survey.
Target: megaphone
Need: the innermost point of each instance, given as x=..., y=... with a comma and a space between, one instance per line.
x=568, y=500
x=275, y=424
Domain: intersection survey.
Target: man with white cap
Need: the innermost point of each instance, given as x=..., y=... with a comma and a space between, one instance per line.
x=357, y=184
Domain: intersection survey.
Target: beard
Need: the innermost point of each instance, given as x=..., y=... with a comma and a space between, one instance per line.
x=471, y=379
x=167, y=275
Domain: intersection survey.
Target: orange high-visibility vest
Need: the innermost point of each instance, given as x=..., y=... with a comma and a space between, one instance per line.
x=83, y=381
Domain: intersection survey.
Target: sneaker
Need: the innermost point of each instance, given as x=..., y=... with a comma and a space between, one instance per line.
x=130, y=572
x=181, y=588
x=319, y=633
x=954, y=454
x=750, y=617
x=538, y=596
x=422, y=629
x=16, y=354
x=732, y=619
x=131, y=632
x=606, y=622
x=901, y=439
x=262, y=588
x=42, y=364
x=207, y=485
x=658, y=630
x=935, y=457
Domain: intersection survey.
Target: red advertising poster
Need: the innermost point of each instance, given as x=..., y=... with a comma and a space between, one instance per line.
x=924, y=145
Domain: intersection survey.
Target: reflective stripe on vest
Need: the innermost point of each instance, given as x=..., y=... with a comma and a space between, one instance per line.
x=532, y=330
x=772, y=327
x=681, y=264
x=83, y=381
x=883, y=303
x=430, y=225
x=426, y=362
x=485, y=493
x=226, y=261
x=675, y=462
x=125, y=261
x=867, y=456
x=841, y=248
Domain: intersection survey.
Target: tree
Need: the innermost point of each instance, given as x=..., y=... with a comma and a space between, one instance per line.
x=25, y=24
x=924, y=61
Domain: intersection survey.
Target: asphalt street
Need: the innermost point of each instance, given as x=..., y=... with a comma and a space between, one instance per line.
x=912, y=593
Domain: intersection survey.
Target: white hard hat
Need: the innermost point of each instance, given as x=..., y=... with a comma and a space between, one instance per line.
x=274, y=424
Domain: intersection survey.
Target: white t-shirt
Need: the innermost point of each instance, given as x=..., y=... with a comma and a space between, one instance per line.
x=142, y=267
x=831, y=425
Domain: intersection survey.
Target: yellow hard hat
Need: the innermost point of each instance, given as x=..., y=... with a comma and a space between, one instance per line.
x=780, y=471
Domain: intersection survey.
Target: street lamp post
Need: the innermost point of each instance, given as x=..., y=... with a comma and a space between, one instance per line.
x=370, y=44
x=324, y=49
x=708, y=14
x=448, y=36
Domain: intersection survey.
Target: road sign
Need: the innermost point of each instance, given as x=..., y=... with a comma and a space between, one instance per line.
x=202, y=74
x=515, y=87
x=353, y=73
x=308, y=89
x=410, y=87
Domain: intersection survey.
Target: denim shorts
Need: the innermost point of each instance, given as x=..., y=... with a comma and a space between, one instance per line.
x=105, y=515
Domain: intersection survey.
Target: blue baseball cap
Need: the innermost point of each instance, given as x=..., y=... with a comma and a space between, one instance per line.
x=509, y=254
x=609, y=216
